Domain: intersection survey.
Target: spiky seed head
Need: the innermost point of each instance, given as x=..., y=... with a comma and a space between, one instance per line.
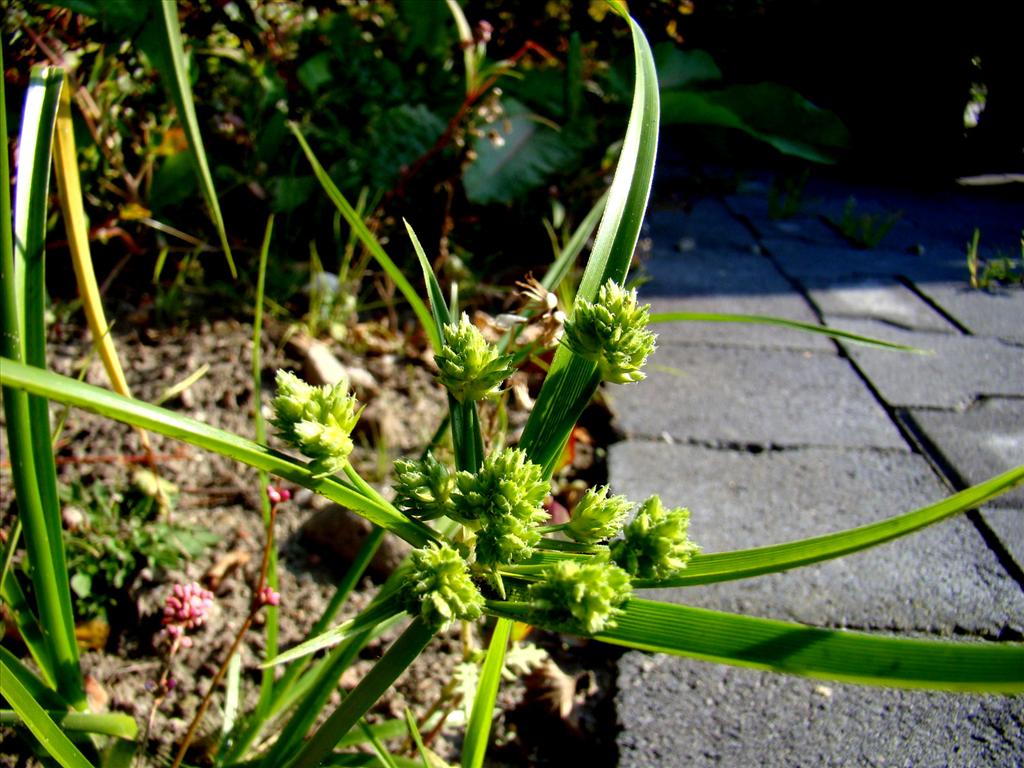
x=612, y=332
x=580, y=597
x=597, y=516
x=423, y=488
x=656, y=543
x=318, y=421
x=468, y=366
x=439, y=588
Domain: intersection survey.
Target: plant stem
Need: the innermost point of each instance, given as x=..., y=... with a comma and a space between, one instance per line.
x=257, y=605
x=397, y=659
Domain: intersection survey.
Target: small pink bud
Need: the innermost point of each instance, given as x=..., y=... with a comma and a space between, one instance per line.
x=267, y=596
x=278, y=495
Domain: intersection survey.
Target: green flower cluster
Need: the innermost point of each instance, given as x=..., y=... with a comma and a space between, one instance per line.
x=597, y=517
x=503, y=502
x=613, y=333
x=575, y=597
x=316, y=420
x=439, y=587
x=423, y=488
x=469, y=367
x=656, y=543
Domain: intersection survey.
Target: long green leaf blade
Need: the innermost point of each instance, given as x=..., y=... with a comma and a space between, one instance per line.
x=798, y=649
x=29, y=419
x=781, y=322
x=115, y=724
x=741, y=564
x=170, y=424
x=170, y=60
x=571, y=380
x=39, y=722
x=397, y=659
x=478, y=731
x=368, y=240
x=438, y=306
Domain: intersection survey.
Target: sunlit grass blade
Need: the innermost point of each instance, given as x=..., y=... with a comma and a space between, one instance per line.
x=170, y=61
x=19, y=438
x=438, y=307
x=478, y=731
x=568, y=255
x=385, y=758
x=38, y=721
x=467, y=43
x=75, y=224
x=28, y=419
x=414, y=734
x=365, y=621
x=37, y=688
x=780, y=322
x=798, y=649
x=725, y=566
x=624, y=211
x=164, y=422
x=395, y=661
x=114, y=724
x=571, y=380
x=273, y=612
x=368, y=240
x=13, y=596
x=465, y=421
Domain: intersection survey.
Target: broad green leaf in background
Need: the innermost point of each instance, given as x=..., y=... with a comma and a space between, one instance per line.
x=524, y=153
x=677, y=67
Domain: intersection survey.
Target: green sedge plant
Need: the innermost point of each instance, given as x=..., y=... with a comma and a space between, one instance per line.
x=484, y=549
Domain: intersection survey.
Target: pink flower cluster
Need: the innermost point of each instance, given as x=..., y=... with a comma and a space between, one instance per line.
x=186, y=608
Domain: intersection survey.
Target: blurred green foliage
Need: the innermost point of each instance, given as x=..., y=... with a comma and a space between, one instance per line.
x=380, y=89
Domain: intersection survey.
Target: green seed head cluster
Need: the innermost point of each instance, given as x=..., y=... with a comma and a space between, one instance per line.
x=423, y=488
x=656, y=544
x=316, y=420
x=439, y=587
x=597, y=517
x=613, y=333
x=504, y=501
x=469, y=367
x=576, y=597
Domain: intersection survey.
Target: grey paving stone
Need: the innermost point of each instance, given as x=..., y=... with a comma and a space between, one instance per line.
x=763, y=397
x=712, y=272
x=984, y=440
x=999, y=313
x=707, y=225
x=961, y=369
x=678, y=713
x=941, y=580
x=1008, y=526
x=816, y=266
x=878, y=298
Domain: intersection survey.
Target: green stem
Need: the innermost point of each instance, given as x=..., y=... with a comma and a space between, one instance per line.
x=399, y=656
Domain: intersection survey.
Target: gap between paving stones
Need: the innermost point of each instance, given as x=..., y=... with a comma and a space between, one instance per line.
x=900, y=417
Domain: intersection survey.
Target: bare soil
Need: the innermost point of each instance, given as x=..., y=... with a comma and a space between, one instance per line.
x=557, y=712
